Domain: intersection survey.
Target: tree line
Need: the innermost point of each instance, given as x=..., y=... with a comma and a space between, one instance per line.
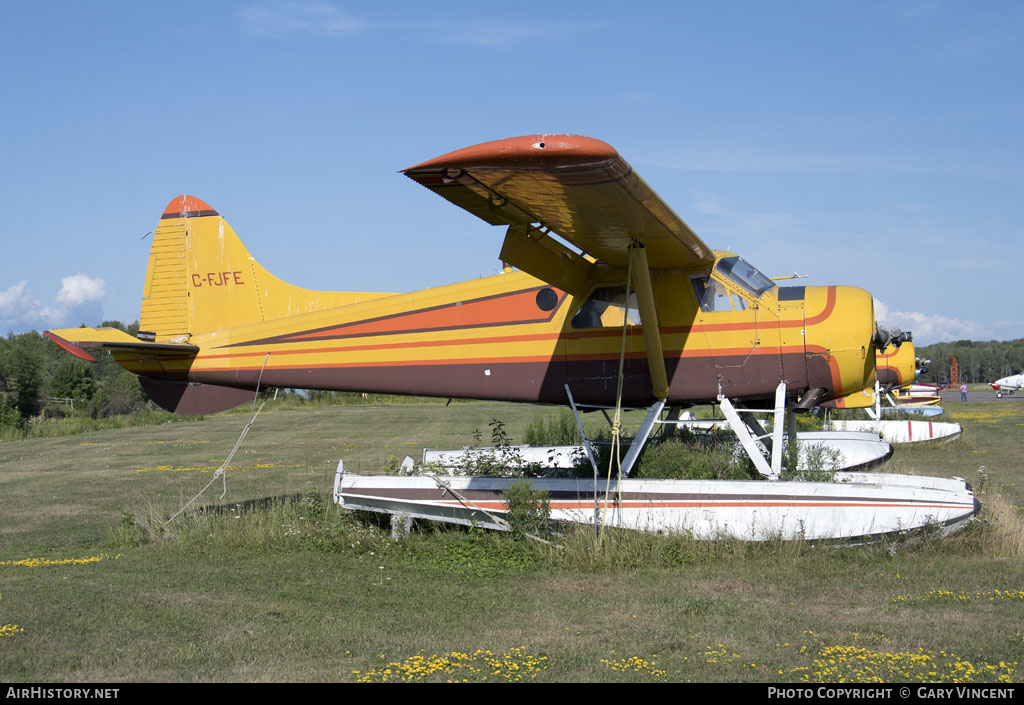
x=39, y=379
x=978, y=361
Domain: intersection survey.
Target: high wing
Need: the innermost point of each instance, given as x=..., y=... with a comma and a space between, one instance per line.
x=576, y=186
x=582, y=190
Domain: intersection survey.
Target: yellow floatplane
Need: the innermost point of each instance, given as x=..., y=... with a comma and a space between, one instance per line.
x=609, y=298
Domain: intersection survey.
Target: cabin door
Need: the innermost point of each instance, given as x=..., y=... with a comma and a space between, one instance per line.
x=727, y=323
x=791, y=328
x=593, y=347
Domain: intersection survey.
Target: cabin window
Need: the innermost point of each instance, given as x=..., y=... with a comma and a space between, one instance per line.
x=738, y=302
x=712, y=296
x=746, y=275
x=547, y=299
x=608, y=307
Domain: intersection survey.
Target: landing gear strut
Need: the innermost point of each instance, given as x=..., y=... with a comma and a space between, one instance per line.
x=743, y=423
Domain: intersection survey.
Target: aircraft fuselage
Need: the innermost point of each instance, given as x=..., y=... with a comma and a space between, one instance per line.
x=513, y=337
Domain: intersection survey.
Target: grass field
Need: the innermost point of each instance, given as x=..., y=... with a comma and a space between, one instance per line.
x=92, y=590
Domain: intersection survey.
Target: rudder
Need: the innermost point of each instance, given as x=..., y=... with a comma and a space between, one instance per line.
x=200, y=279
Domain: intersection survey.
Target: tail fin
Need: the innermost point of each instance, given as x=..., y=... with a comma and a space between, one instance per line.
x=202, y=279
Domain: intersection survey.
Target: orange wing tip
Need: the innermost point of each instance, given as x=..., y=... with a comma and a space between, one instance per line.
x=551, y=151
x=70, y=347
x=187, y=207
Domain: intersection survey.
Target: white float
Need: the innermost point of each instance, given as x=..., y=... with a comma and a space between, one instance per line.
x=861, y=506
x=903, y=431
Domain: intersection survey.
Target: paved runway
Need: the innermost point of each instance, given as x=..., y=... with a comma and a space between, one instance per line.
x=951, y=397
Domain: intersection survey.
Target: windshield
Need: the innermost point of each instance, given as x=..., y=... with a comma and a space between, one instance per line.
x=741, y=272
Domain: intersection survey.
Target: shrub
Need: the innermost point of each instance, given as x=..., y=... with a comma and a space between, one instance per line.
x=529, y=510
x=547, y=430
x=691, y=459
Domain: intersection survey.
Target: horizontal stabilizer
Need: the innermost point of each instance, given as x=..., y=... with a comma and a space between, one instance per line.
x=77, y=340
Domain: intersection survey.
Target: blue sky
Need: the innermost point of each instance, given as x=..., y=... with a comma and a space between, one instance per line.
x=877, y=144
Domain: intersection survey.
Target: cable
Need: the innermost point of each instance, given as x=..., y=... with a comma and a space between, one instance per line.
x=221, y=472
x=615, y=457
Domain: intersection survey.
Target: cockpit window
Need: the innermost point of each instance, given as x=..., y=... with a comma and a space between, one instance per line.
x=711, y=295
x=746, y=275
x=608, y=307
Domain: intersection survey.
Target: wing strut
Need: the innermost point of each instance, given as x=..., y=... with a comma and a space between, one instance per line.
x=649, y=320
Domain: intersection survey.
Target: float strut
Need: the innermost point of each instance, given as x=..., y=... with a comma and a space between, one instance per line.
x=742, y=423
x=642, y=435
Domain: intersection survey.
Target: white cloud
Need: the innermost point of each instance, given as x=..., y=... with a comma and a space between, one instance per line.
x=13, y=299
x=282, y=18
x=932, y=328
x=81, y=288
x=19, y=311
x=78, y=301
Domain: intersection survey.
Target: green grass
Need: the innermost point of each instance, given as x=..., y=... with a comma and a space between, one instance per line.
x=301, y=591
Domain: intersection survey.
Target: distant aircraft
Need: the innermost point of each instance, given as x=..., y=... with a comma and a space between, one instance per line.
x=896, y=365
x=1008, y=385
x=896, y=369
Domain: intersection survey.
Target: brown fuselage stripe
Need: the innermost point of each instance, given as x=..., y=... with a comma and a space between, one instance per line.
x=697, y=352
x=889, y=376
x=391, y=363
x=189, y=214
x=672, y=354
x=389, y=346
x=541, y=379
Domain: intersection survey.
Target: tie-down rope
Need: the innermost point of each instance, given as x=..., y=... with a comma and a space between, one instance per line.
x=221, y=472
